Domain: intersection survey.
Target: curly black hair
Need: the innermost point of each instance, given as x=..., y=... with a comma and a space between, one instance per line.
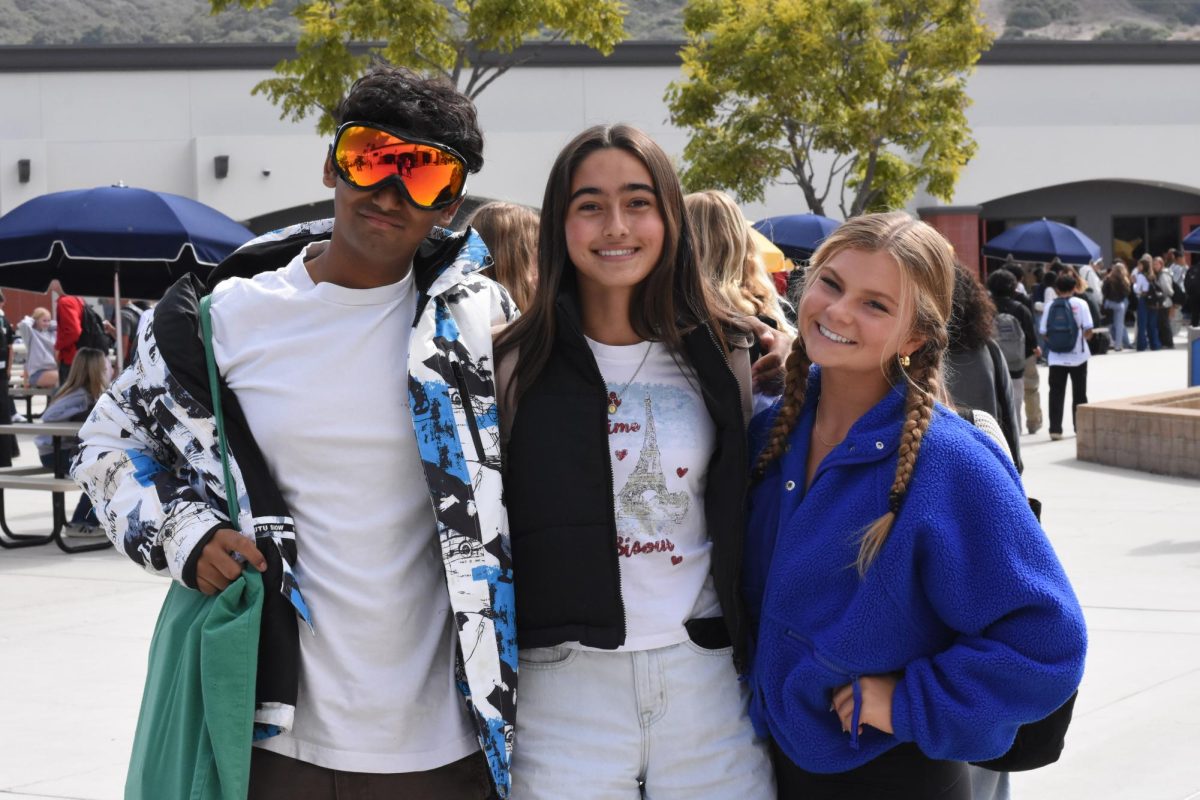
x=426, y=108
x=971, y=315
x=1002, y=283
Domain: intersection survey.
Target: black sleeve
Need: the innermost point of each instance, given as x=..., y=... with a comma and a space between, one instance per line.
x=1026, y=318
x=1006, y=404
x=756, y=349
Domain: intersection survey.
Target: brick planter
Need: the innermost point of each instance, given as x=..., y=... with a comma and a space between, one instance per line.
x=1157, y=433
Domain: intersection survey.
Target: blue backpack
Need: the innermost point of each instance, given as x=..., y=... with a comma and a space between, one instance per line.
x=1062, y=331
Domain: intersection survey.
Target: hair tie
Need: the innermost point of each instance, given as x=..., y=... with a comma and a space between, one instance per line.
x=894, y=498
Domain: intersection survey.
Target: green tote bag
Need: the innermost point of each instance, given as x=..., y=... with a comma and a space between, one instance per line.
x=197, y=716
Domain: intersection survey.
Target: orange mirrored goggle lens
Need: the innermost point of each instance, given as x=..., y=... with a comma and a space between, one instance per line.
x=368, y=157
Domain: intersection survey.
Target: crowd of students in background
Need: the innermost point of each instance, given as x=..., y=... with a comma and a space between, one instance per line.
x=1114, y=307
x=71, y=357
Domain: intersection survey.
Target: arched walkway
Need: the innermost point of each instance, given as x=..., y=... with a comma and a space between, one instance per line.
x=1125, y=217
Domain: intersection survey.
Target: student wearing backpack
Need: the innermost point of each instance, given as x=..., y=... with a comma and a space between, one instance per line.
x=69, y=313
x=78, y=326
x=978, y=368
x=1002, y=285
x=1067, y=325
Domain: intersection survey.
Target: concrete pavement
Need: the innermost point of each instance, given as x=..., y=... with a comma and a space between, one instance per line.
x=74, y=630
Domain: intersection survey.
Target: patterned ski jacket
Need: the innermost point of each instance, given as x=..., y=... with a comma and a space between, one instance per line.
x=150, y=462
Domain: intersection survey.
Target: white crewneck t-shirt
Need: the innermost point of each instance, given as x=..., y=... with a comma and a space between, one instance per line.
x=321, y=373
x=661, y=439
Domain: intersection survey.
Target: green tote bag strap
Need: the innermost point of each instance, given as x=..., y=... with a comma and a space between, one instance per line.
x=214, y=384
x=197, y=716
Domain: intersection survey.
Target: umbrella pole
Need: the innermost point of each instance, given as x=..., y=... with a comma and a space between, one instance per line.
x=117, y=317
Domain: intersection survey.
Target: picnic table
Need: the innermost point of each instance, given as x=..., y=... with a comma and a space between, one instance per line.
x=27, y=393
x=44, y=479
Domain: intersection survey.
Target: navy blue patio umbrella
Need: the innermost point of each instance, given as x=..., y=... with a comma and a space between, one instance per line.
x=98, y=241
x=1191, y=242
x=797, y=235
x=1044, y=241
x=103, y=241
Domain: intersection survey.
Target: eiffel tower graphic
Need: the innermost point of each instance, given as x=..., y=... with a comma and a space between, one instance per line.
x=645, y=496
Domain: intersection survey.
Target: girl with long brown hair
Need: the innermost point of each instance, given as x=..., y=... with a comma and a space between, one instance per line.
x=910, y=611
x=1116, y=290
x=625, y=478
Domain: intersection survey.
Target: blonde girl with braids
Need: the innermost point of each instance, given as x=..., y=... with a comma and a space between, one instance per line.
x=729, y=260
x=910, y=612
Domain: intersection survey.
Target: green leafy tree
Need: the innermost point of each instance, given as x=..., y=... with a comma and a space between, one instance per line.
x=877, y=86
x=340, y=38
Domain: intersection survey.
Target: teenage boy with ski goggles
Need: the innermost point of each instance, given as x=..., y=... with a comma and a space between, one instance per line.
x=358, y=351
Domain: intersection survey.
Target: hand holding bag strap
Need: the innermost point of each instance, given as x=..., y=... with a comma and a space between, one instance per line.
x=214, y=385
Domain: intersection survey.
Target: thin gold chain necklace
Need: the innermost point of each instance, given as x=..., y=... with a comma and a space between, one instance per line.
x=821, y=438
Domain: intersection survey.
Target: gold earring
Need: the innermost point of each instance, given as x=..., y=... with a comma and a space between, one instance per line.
x=905, y=361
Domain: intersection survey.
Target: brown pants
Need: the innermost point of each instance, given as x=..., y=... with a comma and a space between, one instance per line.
x=276, y=777
x=1033, y=397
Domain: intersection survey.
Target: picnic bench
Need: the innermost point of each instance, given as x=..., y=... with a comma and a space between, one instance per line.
x=27, y=393
x=41, y=479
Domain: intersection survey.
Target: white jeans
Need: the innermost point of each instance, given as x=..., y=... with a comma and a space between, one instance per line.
x=664, y=724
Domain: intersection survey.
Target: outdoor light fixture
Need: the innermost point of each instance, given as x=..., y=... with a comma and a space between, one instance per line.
x=220, y=166
x=23, y=170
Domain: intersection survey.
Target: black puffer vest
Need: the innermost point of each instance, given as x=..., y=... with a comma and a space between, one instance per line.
x=559, y=492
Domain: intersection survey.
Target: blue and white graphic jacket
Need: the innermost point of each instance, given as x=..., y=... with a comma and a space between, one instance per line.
x=151, y=464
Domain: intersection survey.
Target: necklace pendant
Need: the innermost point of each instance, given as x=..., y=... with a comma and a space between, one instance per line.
x=612, y=408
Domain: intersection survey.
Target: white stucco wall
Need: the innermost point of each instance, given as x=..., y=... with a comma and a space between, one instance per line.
x=1042, y=125
x=1036, y=125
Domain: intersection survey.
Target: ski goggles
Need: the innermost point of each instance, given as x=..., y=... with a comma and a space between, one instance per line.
x=368, y=156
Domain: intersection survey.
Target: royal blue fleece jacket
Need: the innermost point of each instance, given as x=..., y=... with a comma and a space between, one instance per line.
x=966, y=604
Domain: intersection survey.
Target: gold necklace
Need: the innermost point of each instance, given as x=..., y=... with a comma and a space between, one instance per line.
x=821, y=438
x=614, y=400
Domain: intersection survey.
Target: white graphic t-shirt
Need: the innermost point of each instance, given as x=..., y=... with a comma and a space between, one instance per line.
x=661, y=438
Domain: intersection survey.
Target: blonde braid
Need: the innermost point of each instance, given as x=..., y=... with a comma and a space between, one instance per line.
x=794, y=388
x=918, y=413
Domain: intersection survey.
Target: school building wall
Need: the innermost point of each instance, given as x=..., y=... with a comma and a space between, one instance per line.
x=1044, y=114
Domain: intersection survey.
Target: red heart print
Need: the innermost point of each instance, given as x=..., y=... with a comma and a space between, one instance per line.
x=621, y=454
x=681, y=471
x=676, y=560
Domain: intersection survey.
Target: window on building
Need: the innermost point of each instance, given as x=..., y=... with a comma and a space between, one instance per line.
x=1133, y=236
